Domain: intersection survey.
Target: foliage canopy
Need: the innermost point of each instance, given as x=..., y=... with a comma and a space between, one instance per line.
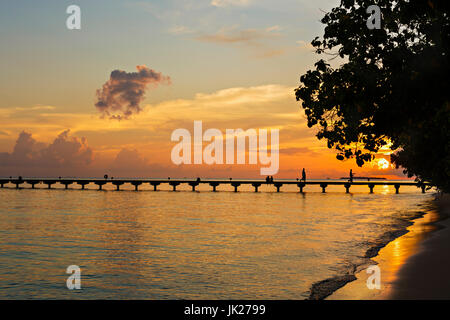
x=391, y=91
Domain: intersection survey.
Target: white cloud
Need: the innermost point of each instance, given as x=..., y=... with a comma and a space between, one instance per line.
x=226, y=3
x=179, y=30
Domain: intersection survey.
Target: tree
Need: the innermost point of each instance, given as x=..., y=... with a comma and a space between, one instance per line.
x=392, y=89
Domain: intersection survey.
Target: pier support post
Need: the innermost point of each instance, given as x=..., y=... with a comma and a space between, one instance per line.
x=136, y=185
x=100, y=185
x=278, y=186
x=423, y=187
x=256, y=185
x=118, y=184
x=371, y=186
x=347, y=187
x=397, y=187
x=214, y=185
x=193, y=185
x=49, y=183
x=174, y=185
x=66, y=184
x=155, y=185
x=83, y=184
x=301, y=186
x=32, y=183
x=323, y=186
x=235, y=185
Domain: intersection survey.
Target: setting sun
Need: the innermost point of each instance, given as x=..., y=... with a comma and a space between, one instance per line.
x=382, y=163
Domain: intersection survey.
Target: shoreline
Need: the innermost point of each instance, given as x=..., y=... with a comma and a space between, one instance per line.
x=327, y=288
x=412, y=265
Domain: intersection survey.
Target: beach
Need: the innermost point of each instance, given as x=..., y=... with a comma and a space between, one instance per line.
x=414, y=265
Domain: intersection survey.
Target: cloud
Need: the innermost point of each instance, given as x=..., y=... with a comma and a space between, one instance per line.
x=233, y=35
x=260, y=42
x=273, y=28
x=226, y=3
x=37, y=107
x=303, y=45
x=129, y=158
x=130, y=162
x=121, y=95
x=180, y=30
x=298, y=151
x=29, y=154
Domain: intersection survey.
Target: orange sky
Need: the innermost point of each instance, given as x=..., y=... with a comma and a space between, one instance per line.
x=159, y=65
x=141, y=146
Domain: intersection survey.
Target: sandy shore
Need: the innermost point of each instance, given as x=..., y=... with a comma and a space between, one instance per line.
x=413, y=266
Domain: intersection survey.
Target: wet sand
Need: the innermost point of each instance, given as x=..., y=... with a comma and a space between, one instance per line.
x=413, y=266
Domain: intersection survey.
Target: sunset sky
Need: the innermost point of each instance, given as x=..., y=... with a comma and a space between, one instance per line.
x=230, y=63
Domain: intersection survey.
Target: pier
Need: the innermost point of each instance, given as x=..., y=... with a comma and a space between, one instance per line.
x=213, y=183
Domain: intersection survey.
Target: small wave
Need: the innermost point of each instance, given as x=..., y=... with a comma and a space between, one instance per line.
x=322, y=289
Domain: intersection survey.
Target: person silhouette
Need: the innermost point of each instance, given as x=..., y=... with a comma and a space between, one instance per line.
x=304, y=175
x=267, y=179
x=351, y=175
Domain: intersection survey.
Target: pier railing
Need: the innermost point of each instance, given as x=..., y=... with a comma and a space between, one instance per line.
x=214, y=183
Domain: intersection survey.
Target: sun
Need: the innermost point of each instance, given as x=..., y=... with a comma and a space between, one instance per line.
x=382, y=163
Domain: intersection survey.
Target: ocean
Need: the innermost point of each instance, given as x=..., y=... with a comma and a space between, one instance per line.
x=193, y=245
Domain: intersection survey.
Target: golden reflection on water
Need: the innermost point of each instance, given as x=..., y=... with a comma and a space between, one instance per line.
x=383, y=189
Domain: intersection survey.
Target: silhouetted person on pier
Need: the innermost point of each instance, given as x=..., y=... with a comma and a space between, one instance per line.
x=304, y=175
x=198, y=179
x=351, y=176
x=271, y=179
x=105, y=176
x=267, y=179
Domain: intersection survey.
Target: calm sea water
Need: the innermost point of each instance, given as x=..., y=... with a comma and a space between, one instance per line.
x=190, y=245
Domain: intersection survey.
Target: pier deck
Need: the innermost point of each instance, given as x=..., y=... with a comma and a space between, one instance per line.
x=214, y=183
